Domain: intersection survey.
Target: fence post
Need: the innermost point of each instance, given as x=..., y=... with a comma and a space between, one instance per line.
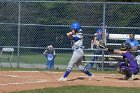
x=18, y=42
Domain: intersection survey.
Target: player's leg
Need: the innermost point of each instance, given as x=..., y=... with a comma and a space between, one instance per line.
x=82, y=68
x=120, y=64
x=125, y=71
x=135, y=71
x=52, y=64
x=89, y=66
x=75, y=57
x=48, y=64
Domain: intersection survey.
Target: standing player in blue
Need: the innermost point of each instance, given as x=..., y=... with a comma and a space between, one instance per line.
x=128, y=66
x=50, y=55
x=95, y=44
x=75, y=35
x=134, y=43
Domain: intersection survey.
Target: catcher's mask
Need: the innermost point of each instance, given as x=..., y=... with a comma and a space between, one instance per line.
x=125, y=47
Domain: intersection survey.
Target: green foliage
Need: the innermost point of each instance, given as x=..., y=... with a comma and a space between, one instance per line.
x=46, y=14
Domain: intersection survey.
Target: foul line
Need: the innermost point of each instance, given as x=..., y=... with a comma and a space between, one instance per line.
x=40, y=81
x=14, y=76
x=35, y=71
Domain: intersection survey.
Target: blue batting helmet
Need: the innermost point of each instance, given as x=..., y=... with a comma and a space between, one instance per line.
x=75, y=26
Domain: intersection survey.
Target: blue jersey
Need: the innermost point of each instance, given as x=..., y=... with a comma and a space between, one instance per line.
x=77, y=41
x=49, y=52
x=50, y=57
x=133, y=43
x=99, y=34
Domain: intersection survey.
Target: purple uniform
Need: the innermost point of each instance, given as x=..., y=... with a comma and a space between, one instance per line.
x=132, y=65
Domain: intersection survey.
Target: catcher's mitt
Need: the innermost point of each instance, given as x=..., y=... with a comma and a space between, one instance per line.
x=102, y=45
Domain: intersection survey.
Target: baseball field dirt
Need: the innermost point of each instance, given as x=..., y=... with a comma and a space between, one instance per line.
x=11, y=81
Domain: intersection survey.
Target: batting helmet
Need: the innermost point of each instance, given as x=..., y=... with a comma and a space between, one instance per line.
x=75, y=26
x=125, y=46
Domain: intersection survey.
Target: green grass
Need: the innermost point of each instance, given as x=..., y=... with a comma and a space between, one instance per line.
x=84, y=89
x=36, y=58
x=29, y=69
x=55, y=70
x=61, y=58
x=19, y=69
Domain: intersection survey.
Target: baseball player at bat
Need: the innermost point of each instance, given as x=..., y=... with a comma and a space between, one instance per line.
x=76, y=36
x=128, y=66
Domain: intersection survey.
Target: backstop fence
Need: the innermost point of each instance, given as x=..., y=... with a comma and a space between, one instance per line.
x=29, y=26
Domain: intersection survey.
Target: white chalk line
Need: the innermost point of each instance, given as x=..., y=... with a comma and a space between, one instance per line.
x=22, y=83
x=14, y=76
x=35, y=71
x=29, y=82
x=98, y=75
x=43, y=80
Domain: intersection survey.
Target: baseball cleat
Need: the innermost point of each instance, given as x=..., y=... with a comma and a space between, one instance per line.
x=91, y=77
x=132, y=77
x=126, y=78
x=62, y=79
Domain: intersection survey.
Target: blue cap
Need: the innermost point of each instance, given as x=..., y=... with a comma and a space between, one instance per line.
x=99, y=30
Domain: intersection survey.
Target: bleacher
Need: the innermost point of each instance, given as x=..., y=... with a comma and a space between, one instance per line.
x=108, y=61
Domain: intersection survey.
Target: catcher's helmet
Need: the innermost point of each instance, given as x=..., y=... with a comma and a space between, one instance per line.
x=125, y=46
x=75, y=26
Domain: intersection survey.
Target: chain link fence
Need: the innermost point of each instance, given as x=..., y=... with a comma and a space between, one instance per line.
x=29, y=26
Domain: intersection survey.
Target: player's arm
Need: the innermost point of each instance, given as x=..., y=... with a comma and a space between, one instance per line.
x=54, y=53
x=95, y=41
x=45, y=52
x=134, y=48
x=115, y=51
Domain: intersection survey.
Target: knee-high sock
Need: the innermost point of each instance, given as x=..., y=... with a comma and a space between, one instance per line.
x=88, y=73
x=67, y=73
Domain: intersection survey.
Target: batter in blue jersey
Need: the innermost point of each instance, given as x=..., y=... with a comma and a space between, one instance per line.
x=76, y=37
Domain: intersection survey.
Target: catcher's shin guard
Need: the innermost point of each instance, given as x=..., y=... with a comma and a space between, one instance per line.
x=119, y=70
x=126, y=72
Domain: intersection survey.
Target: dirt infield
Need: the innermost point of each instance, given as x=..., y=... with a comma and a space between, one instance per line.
x=11, y=81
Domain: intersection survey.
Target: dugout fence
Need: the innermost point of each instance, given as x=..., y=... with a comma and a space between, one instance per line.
x=29, y=26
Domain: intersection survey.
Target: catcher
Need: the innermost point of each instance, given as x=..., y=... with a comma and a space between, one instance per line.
x=128, y=66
